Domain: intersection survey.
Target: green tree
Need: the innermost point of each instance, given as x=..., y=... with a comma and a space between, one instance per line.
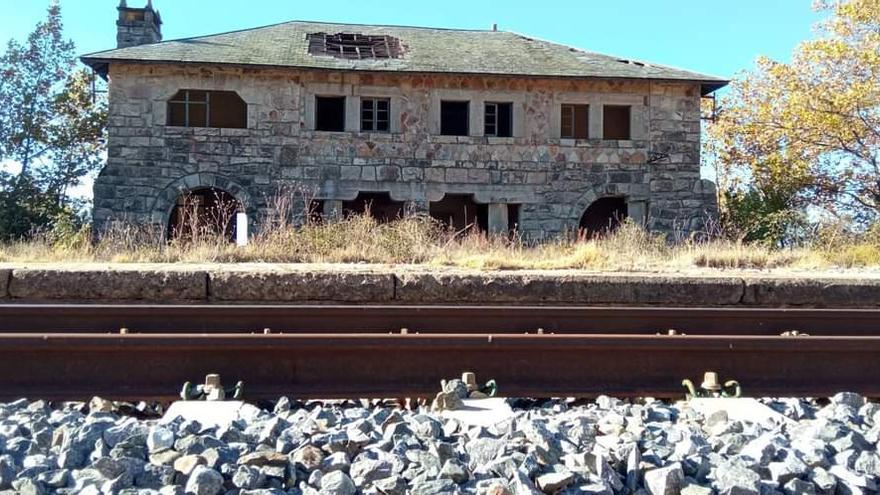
x=51, y=126
x=810, y=127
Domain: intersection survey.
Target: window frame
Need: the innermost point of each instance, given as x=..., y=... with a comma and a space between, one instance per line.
x=572, y=107
x=187, y=102
x=374, y=110
x=496, y=106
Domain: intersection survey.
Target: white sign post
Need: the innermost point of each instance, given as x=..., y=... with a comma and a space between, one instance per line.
x=241, y=229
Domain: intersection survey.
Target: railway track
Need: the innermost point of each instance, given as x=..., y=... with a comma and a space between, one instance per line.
x=74, y=351
x=109, y=318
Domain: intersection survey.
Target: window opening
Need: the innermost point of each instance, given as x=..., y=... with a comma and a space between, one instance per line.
x=454, y=116
x=197, y=108
x=375, y=114
x=616, y=120
x=330, y=113
x=575, y=121
x=498, y=120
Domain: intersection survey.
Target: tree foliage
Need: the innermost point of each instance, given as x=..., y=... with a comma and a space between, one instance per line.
x=51, y=127
x=811, y=127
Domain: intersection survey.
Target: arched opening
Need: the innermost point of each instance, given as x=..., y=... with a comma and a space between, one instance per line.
x=460, y=212
x=603, y=216
x=379, y=205
x=203, y=214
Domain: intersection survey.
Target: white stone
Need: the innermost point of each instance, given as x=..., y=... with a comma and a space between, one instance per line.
x=210, y=414
x=481, y=412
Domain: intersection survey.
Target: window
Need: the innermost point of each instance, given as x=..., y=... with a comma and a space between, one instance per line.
x=454, y=117
x=615, y=122
x=374, y=114
x=498, y=120
x=330, y=113
x=575, y=121
x=354, y=45
x=195, y=108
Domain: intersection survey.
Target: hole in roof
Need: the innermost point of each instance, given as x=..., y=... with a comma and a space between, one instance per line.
x=354, y=46
x=631, y=62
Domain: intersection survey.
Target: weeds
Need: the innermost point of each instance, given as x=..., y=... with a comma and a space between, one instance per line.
x=422, y=240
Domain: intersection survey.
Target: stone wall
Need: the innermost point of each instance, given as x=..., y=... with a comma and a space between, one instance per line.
x=163, y=283
x=553, y=179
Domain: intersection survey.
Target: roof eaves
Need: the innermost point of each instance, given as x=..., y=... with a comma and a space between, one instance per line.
x=100, y=65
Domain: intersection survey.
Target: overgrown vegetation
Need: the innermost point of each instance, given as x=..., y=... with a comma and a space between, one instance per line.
x=421, y=240
x=800, y=140
x=52, y=131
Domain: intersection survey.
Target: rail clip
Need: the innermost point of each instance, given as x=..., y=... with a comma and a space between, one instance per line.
x=212, y=390
x=711, y=387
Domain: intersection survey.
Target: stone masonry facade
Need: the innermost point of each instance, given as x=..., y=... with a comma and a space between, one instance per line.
x=553, y=180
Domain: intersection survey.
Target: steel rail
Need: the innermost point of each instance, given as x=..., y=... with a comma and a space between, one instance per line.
x=76, y=366
x=100, y=318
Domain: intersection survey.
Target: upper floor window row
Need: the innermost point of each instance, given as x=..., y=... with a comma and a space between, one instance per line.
x=225, y=109
x=197, y=108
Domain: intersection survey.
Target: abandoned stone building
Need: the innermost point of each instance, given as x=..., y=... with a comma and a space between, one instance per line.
x=486, y=128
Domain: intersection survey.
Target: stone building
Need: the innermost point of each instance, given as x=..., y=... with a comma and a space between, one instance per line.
x=490, y=128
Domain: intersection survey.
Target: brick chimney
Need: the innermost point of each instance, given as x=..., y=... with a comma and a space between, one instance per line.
x=138, y=26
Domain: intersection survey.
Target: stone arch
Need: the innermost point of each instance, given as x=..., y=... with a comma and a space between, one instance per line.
x=603, y=216
x=166, y=200
x=588, y=198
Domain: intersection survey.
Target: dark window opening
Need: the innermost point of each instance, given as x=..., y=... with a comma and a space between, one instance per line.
x=615, y=120
x=512, y=220
x=203, y=214
x=498, y=119
x=603, y=216
x=315, y=213
x=460, y=212
x=330, y=113
x=379, y=205
x=375, y=114
x=575, y=121
x=219, y=109
x=454, y=116
x=354, y=45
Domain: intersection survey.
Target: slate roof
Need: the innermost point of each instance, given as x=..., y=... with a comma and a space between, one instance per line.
x=427, y=50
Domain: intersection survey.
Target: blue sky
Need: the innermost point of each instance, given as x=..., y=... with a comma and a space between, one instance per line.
x=719, y=38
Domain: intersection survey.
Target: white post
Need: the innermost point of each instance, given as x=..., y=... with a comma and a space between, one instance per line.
x=241, y=229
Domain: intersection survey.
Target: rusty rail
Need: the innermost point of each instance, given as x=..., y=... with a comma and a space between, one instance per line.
x=87, y=318
x=133, y=366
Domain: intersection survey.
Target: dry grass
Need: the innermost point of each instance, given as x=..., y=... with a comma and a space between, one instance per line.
x=419, y=240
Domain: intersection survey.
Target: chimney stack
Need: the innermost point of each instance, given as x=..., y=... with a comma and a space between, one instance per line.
x=137, y=26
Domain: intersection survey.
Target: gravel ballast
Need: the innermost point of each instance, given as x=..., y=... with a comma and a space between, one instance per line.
x=606, y=446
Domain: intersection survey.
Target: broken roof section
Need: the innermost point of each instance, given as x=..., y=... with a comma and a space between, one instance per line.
x=424, y=50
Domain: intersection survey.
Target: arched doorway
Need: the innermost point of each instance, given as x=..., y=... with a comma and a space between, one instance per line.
x=202, y=214
x=603, y=216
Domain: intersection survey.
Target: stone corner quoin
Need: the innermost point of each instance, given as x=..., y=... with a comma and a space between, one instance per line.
x=108, y=285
